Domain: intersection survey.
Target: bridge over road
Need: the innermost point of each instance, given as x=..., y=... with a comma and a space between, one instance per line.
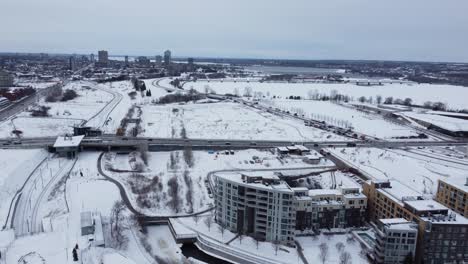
x=112, y=142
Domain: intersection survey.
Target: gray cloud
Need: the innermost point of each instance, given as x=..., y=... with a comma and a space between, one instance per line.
x=298, y=29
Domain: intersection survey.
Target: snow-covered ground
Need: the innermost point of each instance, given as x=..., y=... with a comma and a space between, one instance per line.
x=311, y=246
x=163, y=245
x=83, y=193
x=38, y=126
x=336, y=114
x=417, y=169
x=246, y=245
x=153, y=186
x=89, y=101
x=453, y=96
x=225, y=120
x=63, y=116
x=16, y=166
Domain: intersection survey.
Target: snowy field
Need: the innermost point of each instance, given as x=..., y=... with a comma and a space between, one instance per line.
x=453, y=96
x=89, y=101
x=417, y=169
x=38, y=126
x=16, y=166
x=171, y=184
x=82, y=194
x=62, y=115
x=225, y=121
x=332, y=113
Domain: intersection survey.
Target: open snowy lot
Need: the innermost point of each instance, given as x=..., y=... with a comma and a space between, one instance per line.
x=332, y=113
x=311, y=246
x=453, y=96
x=90, y=100
x=173, y=183
x=225, y=121
x=414, y=168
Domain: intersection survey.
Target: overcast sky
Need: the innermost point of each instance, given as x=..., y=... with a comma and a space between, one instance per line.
x=427, y=30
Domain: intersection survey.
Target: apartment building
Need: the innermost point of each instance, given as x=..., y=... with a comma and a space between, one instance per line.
x=263, y=205
x=442, y=233
x=329, y=208
x=395, y=240
x=103, y=58
x=256, y=204
x=453, y=193
x=6, y=79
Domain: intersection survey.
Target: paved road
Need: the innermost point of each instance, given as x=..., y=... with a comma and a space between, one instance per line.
x=166, y=143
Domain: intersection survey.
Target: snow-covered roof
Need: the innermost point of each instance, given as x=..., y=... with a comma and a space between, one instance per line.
x=236, y=177
x=302, y=148
x=425, y=205
x=458, y=182
x=399, y=192
x=314, y=155
x=68, y=141
x=292, y=148
x=390, y=221
x=283, y=149
x=86, y=219
x=318, y=192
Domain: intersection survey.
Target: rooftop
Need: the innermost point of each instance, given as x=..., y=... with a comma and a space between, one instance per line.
x=425, y=205
x=68, y=141
x=458, y=182
x=236, y=177
x=400, y=192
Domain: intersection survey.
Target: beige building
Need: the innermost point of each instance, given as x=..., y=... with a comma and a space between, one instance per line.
x=442, y=233
x=453, y=193
x=6, y=79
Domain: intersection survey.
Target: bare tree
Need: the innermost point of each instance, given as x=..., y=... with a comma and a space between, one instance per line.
x=257, y=240
x=378, y=99
x=222, y=229
x=117, y=225
x=248, y=91
x=208, y=222
x=276, y=245
x=340, y=246
x=196, y=218
x=345, y=258
x=188, y=156
x=323, y=252
x=241, y=236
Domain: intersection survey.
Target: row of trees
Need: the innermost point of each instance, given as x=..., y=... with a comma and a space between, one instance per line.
x=192, y=95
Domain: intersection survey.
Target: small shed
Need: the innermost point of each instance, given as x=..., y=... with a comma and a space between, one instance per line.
x=91, y=227
x=283, y=150
x=68, y=146
x=87, y=224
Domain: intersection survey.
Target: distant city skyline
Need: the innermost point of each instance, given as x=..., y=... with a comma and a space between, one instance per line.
x=419, y=30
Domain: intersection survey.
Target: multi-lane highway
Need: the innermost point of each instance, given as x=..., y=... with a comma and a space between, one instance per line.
x=155, y=143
